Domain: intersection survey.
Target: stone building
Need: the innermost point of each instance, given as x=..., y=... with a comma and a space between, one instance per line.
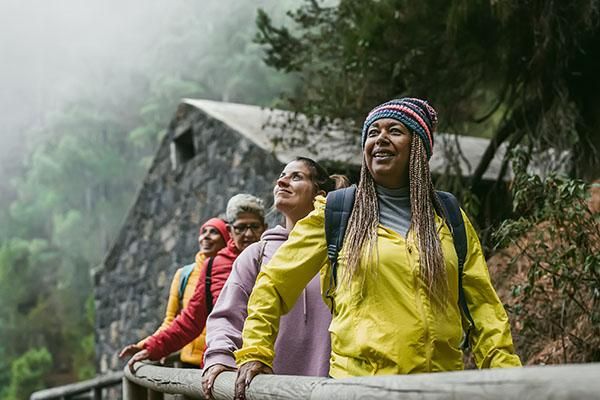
x=212, y=151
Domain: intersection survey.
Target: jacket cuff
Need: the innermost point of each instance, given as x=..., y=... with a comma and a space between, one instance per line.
x=151, y=346
x=254, y=353
x=219, y=358
x=505, y=360
x=142, y=342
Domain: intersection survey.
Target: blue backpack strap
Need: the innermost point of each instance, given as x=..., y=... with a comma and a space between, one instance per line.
x=183, y=279
x=459, y=236
x=337, y=214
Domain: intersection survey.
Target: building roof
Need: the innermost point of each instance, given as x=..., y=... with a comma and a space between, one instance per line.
x=266, y=127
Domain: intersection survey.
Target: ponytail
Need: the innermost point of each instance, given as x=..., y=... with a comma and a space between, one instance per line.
x=320, y=177
x=341, y=181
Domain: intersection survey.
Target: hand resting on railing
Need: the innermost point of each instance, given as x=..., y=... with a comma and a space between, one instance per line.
x=209, y=376
x=245, y=374
x=137, y=353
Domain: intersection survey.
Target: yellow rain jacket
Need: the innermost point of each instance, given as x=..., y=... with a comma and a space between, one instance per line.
x=391, y=328
x=193, y=352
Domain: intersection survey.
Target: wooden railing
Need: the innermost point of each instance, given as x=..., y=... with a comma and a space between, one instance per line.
x=90, y=389
x=575, y=381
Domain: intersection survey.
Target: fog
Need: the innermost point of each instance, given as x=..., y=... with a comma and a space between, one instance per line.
x=49, y=49
x=52, y=50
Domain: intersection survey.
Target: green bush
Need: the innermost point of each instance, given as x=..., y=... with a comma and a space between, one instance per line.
x=555, y=239
x=27, y=373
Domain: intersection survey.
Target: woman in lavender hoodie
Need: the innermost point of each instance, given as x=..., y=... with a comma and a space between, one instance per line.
x=303, y=345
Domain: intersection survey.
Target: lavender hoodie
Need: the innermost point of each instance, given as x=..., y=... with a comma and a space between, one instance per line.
x=303, y=345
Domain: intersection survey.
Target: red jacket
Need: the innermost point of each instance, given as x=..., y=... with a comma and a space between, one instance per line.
x=190, y=322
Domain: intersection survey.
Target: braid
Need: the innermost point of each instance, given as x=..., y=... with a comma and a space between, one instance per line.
x=362, y=227
x=361, y=234
x=424, y=201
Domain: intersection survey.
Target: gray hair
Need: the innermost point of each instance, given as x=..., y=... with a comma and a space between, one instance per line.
x=244, y=203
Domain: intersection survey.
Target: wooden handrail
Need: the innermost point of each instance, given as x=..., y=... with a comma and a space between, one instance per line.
x=574, y=381
x=93, y=386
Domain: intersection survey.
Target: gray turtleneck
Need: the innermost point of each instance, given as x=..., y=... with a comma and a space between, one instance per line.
x=394, y=208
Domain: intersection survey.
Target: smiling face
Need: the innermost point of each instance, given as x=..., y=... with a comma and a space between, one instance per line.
x=386, y=152
x=295, y=191
x=210, y=241
x=246, y=229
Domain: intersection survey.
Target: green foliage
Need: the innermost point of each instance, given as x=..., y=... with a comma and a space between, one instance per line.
x=85, y=350
x=85, y=161
x=27, y=373
x=84, y=357
x=4, y=372
x=520, y=72
x=39, y=305
x=216, y=61
x=557, y=238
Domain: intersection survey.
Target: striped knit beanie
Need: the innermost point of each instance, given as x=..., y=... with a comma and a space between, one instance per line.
x=416, y=114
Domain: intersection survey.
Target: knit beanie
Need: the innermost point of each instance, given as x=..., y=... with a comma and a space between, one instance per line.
x=416, y=114
x=219, y=225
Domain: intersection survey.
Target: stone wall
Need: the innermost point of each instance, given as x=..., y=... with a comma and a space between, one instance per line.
x=160, y=232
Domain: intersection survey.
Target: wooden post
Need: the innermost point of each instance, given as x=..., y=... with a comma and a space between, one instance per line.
x=132, y=391
x=154, y=395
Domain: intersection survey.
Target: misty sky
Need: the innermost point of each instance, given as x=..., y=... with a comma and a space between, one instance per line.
x=49, y=47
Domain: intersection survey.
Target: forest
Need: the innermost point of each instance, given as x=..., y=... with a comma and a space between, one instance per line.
x=66, y=191
x=521, y=73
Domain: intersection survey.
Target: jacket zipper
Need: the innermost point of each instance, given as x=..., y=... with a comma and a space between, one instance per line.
x=421, y=306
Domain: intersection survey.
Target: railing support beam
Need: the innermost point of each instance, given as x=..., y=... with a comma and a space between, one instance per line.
x=132, y=391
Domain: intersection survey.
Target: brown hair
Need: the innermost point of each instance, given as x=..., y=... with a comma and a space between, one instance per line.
x=321, y=178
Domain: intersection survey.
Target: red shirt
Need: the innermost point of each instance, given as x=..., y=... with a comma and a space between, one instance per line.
x=192, y=319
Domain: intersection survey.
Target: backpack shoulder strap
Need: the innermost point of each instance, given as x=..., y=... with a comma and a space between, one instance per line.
x=457, y=225
x=459, y=237
x=337, y=214
x=186, y=271
x=207, y=283
x=261, y=254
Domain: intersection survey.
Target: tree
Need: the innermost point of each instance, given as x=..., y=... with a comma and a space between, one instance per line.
x=519, y=72
x=83, y=165
x=553, y=268
x=27, y=373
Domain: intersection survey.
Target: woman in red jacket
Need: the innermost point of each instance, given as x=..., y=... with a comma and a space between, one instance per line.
x=213, y=236
x=245, y=214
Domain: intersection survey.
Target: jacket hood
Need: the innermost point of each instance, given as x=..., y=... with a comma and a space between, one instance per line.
x=278, y=233
x=229, y=251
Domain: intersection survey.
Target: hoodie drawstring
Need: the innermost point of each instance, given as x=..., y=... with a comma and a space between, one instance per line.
x=305, y=306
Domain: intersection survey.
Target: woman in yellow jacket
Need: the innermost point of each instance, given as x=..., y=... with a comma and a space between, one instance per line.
x=213, y=236
x=395, y=308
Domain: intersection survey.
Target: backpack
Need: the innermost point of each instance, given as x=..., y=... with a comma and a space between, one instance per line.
x=185, y=275
x=337, y=214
